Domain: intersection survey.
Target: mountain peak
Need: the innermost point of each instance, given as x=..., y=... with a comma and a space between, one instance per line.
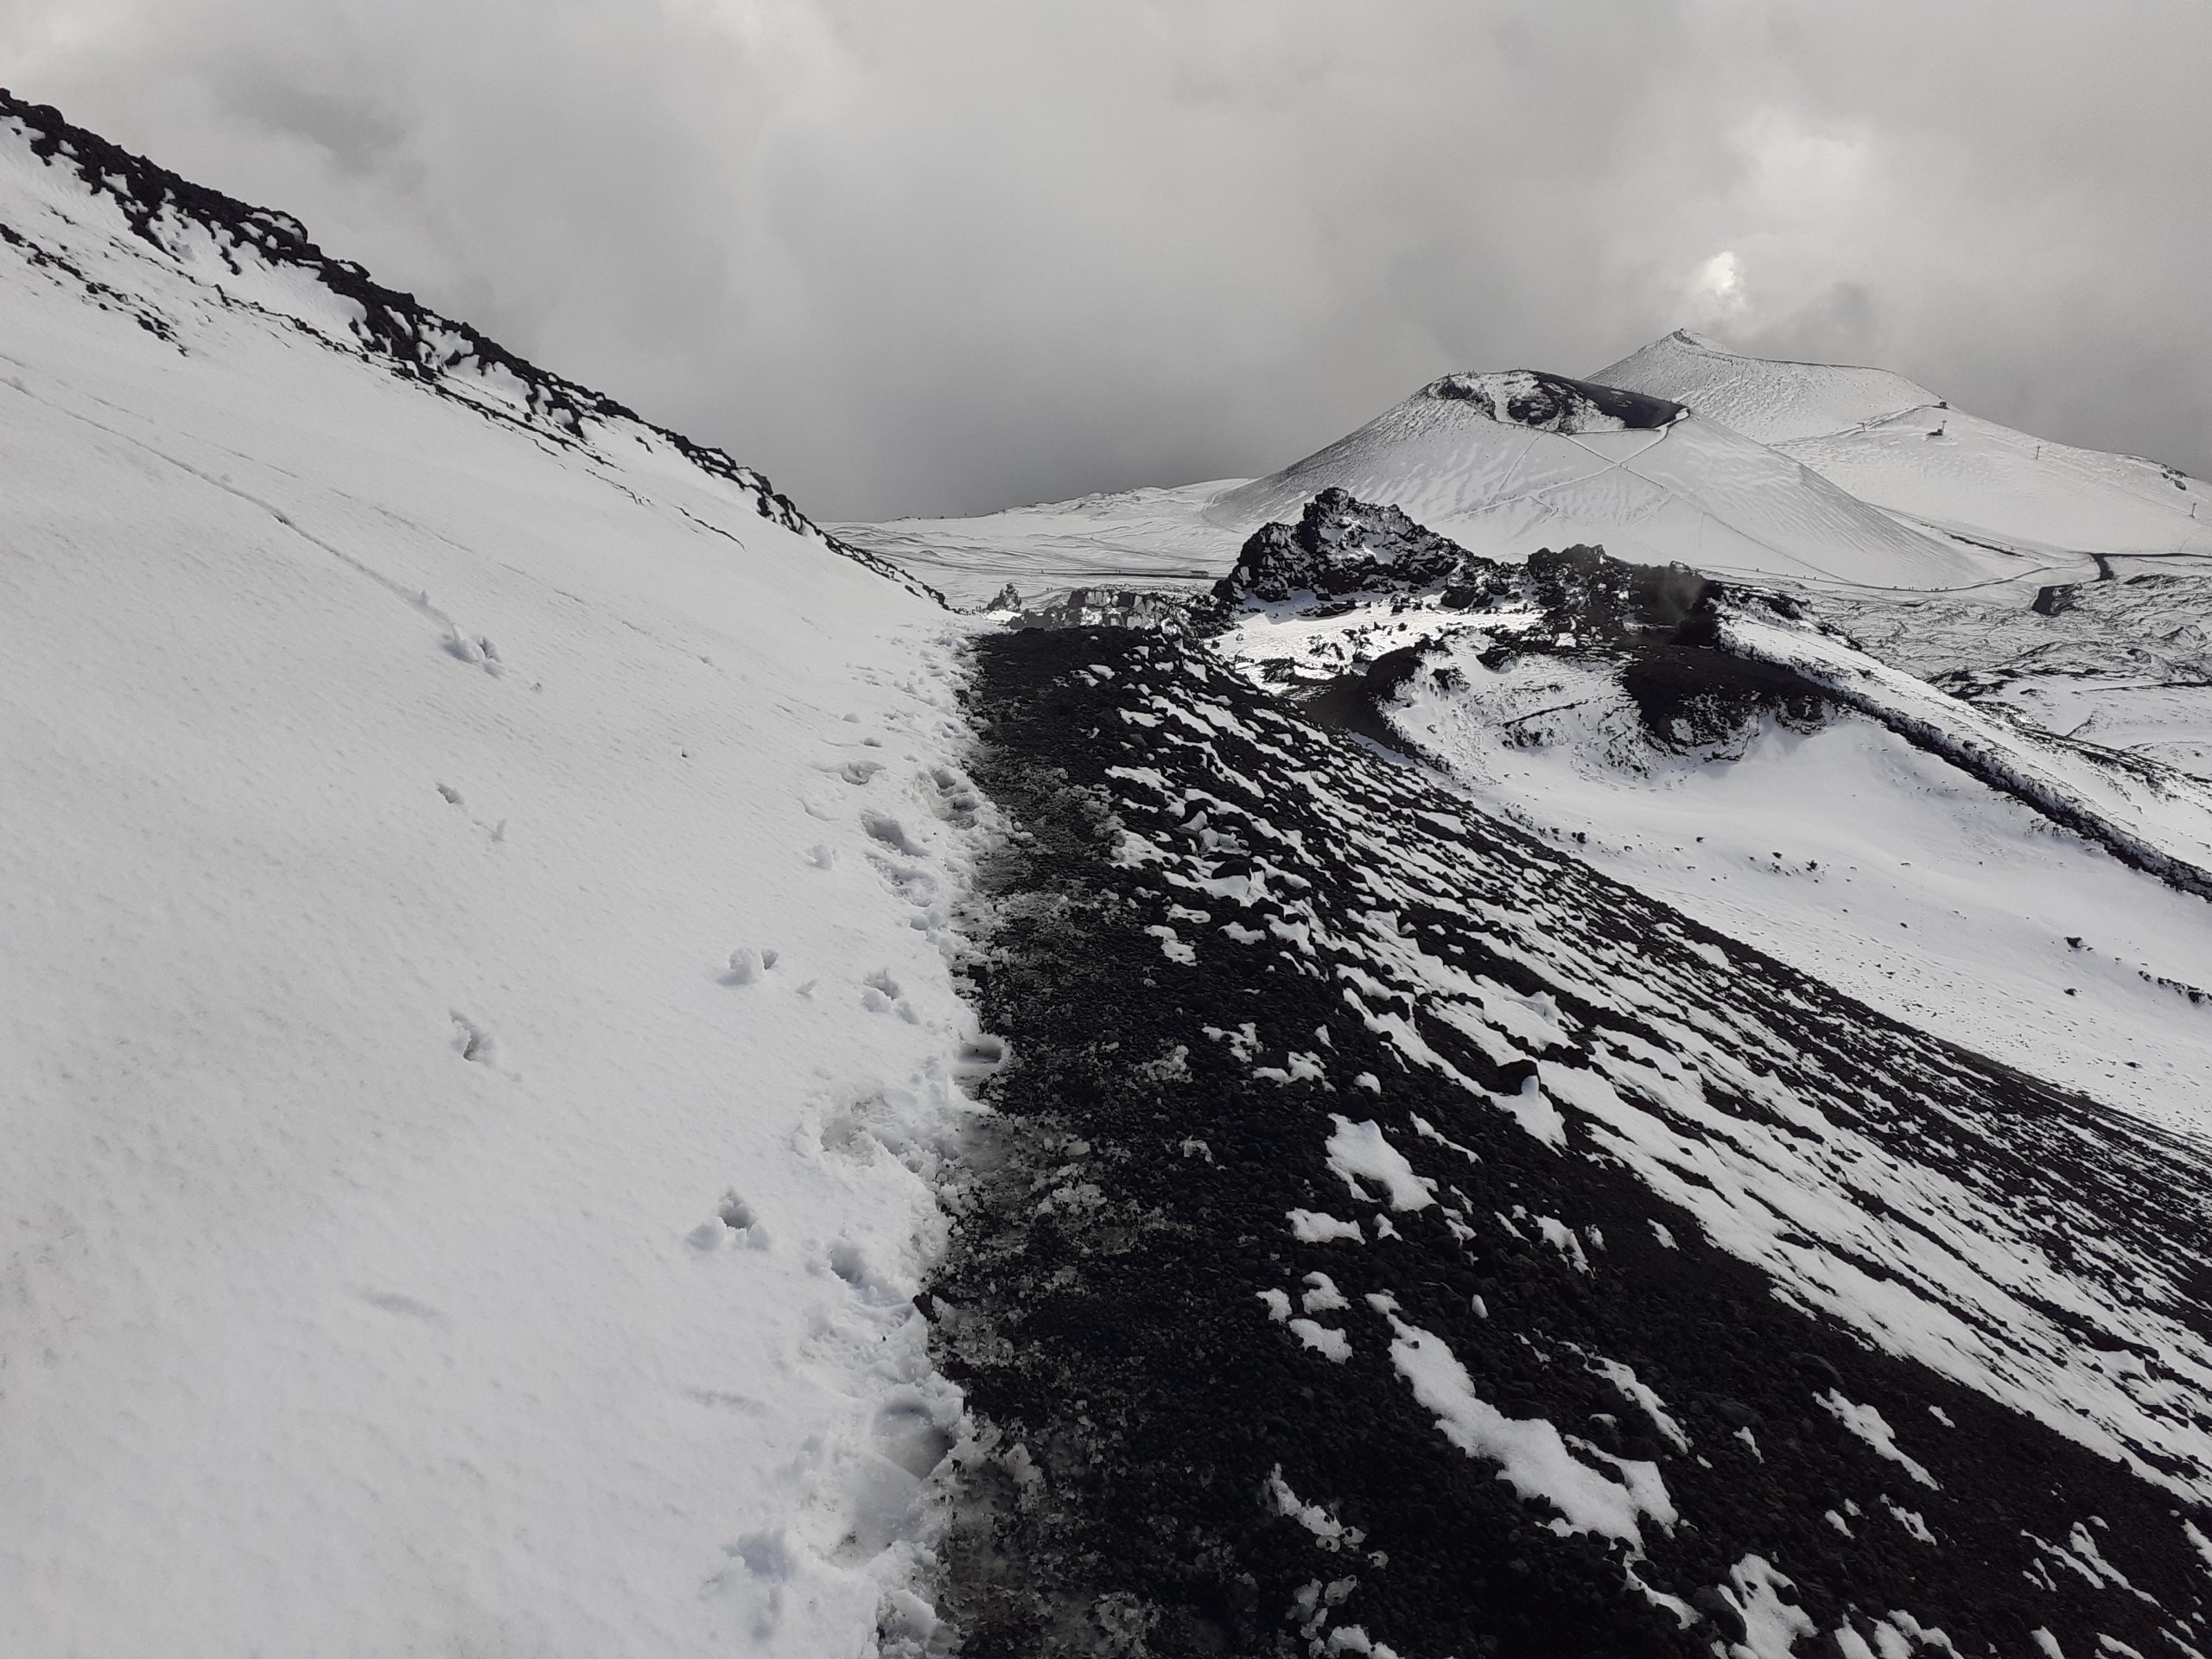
x=1769, y=399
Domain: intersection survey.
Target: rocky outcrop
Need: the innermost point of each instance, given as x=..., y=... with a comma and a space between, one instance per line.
x=1340, y=546
x=1658, y=623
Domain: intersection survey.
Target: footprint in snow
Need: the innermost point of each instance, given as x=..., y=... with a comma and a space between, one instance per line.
x=850, y=1263
x=914, y=1434
x=405, y=1306
x=957, y=803
x=735, y=1220
x=881, y=826
x=472, y=1042
x=451, y=796
x=748, y=965
x=475, y=650
x=882, y=996
x=758, y=1567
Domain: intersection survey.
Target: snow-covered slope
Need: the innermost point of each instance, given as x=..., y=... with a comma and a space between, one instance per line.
x=2126, y=664
x=1768, y=402
x=476, y=1045
x=1894, y=443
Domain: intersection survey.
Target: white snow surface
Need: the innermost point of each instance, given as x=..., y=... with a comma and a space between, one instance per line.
x=1894, y=443
x=1363, y=1157
x=1533, y=1457
x=1767, y=401
x=2126, y=664
x=1869, y=1424
x=478, y=1044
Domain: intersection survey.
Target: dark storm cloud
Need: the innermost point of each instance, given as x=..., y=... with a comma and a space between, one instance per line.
x=949, y=257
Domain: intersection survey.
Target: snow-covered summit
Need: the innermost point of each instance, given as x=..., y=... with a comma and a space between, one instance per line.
x=1770, y=401
x=1504, y=462
x=1892, y=443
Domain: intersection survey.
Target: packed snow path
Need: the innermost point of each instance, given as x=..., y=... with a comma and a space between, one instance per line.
x=1407, y=1241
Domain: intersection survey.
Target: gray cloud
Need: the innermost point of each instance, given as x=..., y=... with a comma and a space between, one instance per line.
x=952, y=257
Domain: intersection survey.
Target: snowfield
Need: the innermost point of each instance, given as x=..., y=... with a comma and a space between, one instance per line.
x=480, y=1045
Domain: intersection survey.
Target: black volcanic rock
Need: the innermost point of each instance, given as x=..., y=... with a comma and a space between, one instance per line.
x=2057, y=599
x=1232, y=946
x=1342, y=545
x=1553, y=403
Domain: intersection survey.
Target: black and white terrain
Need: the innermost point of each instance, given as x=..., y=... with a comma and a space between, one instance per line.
x=1573, y=1026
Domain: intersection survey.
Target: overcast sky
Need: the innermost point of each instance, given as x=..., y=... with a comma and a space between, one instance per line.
x=941, y=256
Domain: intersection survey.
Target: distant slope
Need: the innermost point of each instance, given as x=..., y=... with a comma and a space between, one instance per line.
x=2126, y=663
x=1768, y=402
x=1130, y=538
x=1894, y=443
x=1823, y=474
x=435, y=1225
